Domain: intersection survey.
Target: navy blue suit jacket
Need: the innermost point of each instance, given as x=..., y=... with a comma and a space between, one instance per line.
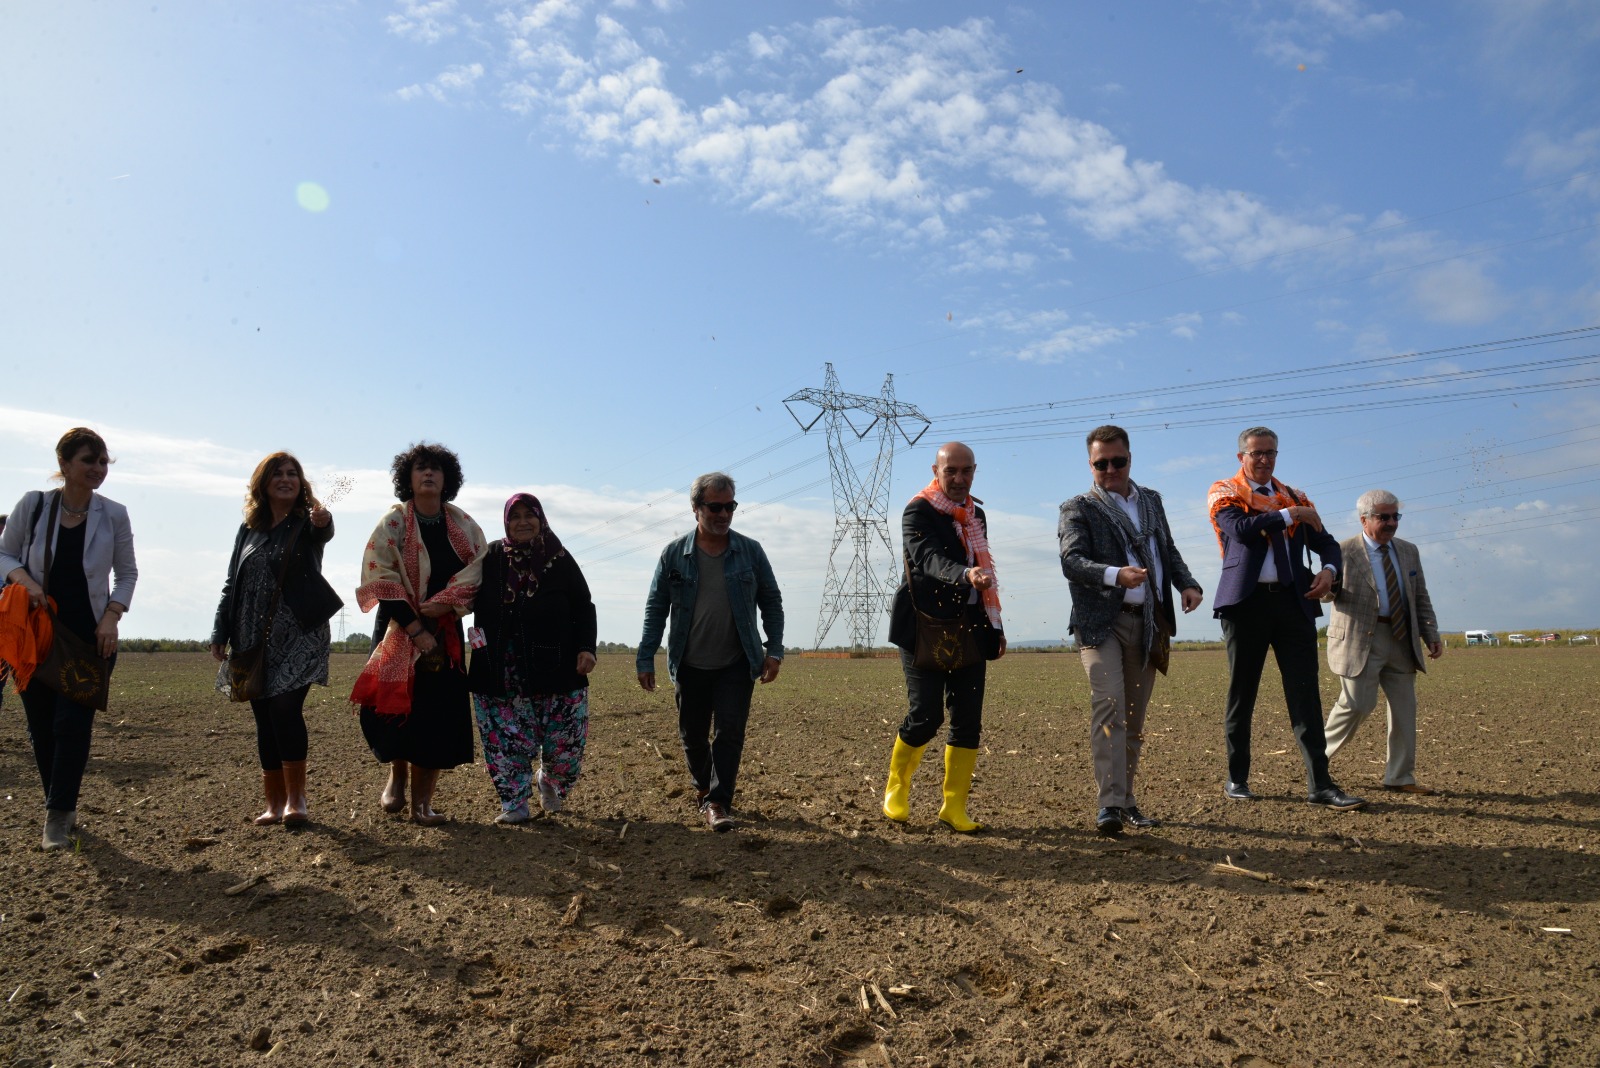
x=1246, y=540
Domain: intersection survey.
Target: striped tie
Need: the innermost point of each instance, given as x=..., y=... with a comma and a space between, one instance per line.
x=1397, y=604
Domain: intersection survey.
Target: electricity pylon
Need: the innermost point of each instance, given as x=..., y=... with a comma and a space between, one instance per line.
x=860, y=500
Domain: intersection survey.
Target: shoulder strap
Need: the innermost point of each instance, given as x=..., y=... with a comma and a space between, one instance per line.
x=49, y=540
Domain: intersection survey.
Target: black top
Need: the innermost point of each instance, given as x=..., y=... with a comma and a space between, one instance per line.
x=538, y=637
x=69, y=585
x=938, y=567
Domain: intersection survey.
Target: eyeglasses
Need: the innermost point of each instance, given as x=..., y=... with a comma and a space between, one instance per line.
x=1118, y=462
x=718, y=507
x=1385, y=517
x=1262, y=454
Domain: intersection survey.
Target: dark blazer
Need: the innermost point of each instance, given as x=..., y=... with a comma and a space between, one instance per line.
x=938, y=567
x=545, y=632
x=308, y=552
x=1245, y=544
x=1089, y=544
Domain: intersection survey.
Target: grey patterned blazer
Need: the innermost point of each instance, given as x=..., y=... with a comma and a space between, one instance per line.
x=1090, y=543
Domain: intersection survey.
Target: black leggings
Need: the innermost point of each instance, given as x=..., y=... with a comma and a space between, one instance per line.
x=280, y=728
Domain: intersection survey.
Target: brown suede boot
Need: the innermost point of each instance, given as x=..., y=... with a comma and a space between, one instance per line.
x=295, y=808
x=423, y=781
x=272, y=786
x=394, y=791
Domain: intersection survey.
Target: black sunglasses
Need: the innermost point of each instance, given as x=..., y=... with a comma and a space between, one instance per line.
x=1385, y=517
x=718, y=507
x=1118, y=462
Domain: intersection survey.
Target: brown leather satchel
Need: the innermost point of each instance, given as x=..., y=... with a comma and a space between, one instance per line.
x=73, y=667
x=941, y=644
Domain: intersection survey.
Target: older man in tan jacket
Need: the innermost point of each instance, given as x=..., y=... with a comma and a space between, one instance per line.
x=1383, y=632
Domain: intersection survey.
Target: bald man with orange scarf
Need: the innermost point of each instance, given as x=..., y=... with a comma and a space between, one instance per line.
x=951, y=577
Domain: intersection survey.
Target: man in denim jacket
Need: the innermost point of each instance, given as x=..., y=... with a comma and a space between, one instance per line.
x=711, y=581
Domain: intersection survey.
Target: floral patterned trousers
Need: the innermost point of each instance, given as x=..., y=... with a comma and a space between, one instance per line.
x=523, y=733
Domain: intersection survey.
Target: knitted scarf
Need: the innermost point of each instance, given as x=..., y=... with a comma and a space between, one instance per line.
x=973, y=540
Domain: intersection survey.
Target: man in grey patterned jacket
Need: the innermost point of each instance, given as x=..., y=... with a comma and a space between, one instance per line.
x=1122, y=567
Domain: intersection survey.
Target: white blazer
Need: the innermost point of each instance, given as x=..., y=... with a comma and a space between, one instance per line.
x=107, y=548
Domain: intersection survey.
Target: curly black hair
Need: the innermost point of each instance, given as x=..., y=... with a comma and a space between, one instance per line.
x=448, y=462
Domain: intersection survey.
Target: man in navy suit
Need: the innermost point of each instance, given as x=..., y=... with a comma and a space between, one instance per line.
x=1268, y=598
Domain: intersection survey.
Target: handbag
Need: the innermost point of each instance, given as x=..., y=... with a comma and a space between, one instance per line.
x=310, y=596
x=73, y=667
x=941, y=644
x=247, y=670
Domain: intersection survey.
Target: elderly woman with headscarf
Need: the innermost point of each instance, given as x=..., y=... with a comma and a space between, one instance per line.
x=529, y=679
x=420, y=570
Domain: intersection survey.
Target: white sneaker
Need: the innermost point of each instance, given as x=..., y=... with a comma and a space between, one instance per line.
x=510, y=817
x=550, y=798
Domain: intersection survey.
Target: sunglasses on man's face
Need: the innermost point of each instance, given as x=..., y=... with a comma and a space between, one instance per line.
x=718, y=507
x=1118, y=462
x=1385, y=517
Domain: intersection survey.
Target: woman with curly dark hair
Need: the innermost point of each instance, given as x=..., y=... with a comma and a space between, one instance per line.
x=420, y=570
x=281, y=517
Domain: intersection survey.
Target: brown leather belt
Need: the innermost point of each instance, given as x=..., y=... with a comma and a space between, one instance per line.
x=1386, y=619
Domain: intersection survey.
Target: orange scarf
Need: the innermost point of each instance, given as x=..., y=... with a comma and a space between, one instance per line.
x=1237, y=492
x=25, y=634
x=973, y=540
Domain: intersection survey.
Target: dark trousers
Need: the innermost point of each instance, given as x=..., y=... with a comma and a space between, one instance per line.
x=930, y=693
x=281, y=728
x=1274, y=620
x=60, y=731
x=717, y=698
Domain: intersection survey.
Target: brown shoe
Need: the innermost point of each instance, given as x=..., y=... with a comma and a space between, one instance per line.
x=1411, y=788
x=716, y=816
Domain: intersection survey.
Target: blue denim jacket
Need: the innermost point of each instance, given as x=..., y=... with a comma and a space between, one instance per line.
x=751, y=585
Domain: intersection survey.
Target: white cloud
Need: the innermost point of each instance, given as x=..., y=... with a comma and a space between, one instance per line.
x=1459, y=293
x=1073, y=341
x=451, y=82
x=425, y=21
x=1542, y=156
x=1306, y=32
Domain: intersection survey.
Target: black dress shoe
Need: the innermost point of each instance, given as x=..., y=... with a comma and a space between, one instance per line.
x=1134, y=818
x=1238, y=791
x=1109, y=822
x=1336, y=799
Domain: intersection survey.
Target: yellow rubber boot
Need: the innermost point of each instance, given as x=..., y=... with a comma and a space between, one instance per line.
x=958, y=765
x=903, y=763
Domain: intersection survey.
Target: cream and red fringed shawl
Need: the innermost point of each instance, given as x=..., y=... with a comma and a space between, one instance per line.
x=1237, y=492
x=972, y=538
x=395, y=566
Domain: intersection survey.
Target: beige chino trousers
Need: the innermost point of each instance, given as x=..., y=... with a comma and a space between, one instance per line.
x=1392, y=667
x=1119, y=691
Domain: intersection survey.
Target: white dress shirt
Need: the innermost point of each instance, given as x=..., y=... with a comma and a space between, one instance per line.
x=1130, y=506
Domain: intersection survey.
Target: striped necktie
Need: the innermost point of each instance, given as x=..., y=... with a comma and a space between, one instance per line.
x=1397, y=604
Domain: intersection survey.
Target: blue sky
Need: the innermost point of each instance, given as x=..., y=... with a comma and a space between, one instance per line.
x=593, y=245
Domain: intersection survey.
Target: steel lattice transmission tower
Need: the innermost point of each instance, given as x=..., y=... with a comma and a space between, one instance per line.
x=860, y=500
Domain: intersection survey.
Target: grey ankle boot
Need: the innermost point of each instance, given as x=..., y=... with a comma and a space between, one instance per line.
x=58, y=826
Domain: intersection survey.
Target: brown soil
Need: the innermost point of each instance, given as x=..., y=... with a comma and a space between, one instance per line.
x=1459, y=929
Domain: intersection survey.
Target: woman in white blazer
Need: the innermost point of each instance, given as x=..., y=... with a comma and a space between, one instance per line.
x=92, y=574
